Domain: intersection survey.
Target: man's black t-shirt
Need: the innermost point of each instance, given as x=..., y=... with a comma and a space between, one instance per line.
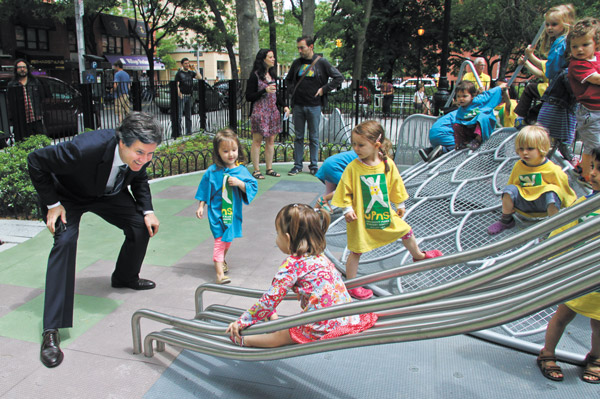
x=305, y=94
x=186, y=80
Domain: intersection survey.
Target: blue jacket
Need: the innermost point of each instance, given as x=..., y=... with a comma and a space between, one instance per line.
x=210, y=191
x=481, y=111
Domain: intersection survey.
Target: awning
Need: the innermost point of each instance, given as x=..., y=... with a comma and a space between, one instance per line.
x=135, y=62
x=41, y=59
x=137, y=26
x=114, y=26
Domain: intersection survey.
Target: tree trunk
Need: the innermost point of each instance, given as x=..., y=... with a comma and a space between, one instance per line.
x=308, y=17
x=360, y=41
x=247, y=24
x=272, y=26
x=228, y=43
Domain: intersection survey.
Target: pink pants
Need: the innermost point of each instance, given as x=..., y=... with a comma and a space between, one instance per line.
x=219, y=250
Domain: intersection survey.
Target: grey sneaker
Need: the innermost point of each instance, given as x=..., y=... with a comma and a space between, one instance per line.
x=294, y=172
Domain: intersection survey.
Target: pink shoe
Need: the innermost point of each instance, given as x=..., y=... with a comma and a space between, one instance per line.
x=360, y=293
x=499, y=227
x=434, y=253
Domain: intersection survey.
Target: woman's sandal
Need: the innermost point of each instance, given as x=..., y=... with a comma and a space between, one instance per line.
x=271, y=172
x=590, y=363
x=257, y=175
x=542, y=362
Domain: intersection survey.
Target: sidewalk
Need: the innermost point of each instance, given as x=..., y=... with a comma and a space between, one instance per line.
x=98, y=351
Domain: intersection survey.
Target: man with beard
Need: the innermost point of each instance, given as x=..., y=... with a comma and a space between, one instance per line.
x=26, y=100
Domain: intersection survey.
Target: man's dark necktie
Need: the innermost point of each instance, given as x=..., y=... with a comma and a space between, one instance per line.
x=119, y=180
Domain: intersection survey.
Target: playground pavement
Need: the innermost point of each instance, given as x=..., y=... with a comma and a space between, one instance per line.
x=99, y=362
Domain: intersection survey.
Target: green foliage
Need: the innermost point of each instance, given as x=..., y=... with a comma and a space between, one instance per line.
x=18, y=197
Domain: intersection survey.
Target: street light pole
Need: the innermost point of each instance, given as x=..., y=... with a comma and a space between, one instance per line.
x=80, y=42
x=420, y=32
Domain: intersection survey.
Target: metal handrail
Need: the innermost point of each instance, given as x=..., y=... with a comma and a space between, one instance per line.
x=459, y=78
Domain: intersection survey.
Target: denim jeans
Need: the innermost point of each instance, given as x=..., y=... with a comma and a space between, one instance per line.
x=312, y=116
x=185, y=105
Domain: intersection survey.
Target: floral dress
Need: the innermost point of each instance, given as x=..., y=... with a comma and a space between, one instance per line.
x=319, y=285
x=265, y=118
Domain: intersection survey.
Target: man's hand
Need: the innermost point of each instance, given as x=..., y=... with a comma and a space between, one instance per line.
x=53, y=215
x=152, y=224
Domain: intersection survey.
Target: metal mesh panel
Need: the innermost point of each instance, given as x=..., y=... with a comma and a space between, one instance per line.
x=503, y=175
x=532, y=324
x=475, y=196
x=438, y=186
x=431, y=278
x=480, y=165
x=422, y=220
x=452, y=162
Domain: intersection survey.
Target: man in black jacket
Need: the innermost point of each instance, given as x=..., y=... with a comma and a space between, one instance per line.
x=92, y=173
x=26, y=96
x=308, y=84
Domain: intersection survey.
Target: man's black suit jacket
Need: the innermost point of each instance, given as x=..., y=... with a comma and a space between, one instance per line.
x=77, y=171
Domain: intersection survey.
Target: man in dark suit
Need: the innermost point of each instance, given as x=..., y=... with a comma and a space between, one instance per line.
x=92, y=173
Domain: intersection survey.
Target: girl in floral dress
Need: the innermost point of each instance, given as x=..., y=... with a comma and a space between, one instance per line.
x=311, y=275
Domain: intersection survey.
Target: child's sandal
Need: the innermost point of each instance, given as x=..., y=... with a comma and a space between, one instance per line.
x=591, y=370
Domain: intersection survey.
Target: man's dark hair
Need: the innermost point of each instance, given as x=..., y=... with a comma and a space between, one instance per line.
x=308, y=39
x=184, y=60
x=118, y=64
x=28, y=68
x=596, y=154
x=139, y=126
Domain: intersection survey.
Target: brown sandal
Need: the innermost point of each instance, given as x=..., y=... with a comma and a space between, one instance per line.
x=257, y=175
x=590, y=363
x=271, y=172
x=542, y=362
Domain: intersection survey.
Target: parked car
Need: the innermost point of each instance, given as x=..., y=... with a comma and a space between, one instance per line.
x=61, y=110
x=411, y=84
x=214, y=100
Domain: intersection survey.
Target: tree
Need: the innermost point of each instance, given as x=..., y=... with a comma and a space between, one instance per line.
x=216, y=30
x=304, y=11
x=161, y=19
x=247, y=23
x=272, y=26
x=360, y=43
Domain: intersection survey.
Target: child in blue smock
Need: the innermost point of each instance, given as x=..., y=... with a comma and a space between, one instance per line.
x=441, y=137
x=475, y=118
x=225, y=187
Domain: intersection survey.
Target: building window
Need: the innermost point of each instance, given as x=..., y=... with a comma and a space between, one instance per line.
x=136, y=46
x=72, y=42
x=32, y=38
x=112, y=44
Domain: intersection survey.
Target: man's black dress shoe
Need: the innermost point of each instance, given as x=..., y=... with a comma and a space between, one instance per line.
x=50, y=354
x=139, y=284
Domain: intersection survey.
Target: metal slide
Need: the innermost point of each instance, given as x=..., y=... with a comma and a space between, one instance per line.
x=482, y=282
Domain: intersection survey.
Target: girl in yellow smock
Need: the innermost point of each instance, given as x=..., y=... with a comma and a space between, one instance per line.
x=368, y=187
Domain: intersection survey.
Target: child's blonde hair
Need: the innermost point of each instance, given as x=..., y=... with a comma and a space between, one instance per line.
x=584, y=27
x=223, y=135
x=535, y=136
x=373, y=131
x=565, y=14
x=305, y=226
